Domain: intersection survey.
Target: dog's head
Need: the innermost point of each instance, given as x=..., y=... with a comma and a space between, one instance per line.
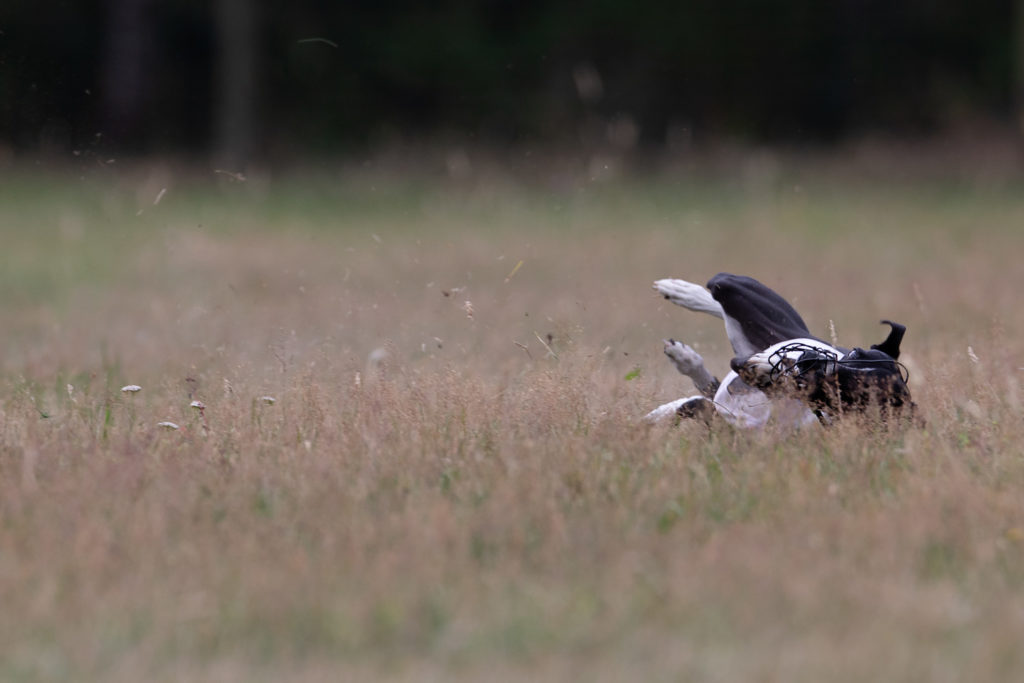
x=829, y=380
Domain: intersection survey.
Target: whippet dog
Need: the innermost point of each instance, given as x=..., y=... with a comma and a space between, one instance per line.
x=779, y=367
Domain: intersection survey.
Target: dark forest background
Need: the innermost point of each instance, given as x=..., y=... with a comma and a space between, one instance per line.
x=243, y=80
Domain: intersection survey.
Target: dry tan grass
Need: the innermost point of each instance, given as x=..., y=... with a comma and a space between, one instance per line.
x=436, y=496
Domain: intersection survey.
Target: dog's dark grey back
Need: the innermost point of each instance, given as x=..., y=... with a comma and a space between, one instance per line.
x=764, y=316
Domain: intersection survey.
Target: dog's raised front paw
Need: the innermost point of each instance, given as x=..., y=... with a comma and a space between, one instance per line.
x=686, y=360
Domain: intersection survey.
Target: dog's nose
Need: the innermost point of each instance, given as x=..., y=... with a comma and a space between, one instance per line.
x=738, y=363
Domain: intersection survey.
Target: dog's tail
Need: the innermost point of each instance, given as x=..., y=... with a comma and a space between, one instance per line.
x=891, y=345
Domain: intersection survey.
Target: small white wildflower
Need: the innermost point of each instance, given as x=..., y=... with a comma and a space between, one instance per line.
x=167, y=425
x=378, y=356
x=198, y=405
x=131, y=388
x=269, y=400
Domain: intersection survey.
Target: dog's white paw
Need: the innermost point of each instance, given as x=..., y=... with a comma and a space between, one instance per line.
x=686, y=360
x=688, y=295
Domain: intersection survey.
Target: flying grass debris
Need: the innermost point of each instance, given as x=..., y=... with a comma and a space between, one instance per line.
x=524, y=348
x=131, y=389
x=237, y=177
x=546, y=344
x=514, y=271
x=169, y=426
x=317, y=39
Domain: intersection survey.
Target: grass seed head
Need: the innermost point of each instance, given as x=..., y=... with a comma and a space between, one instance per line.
x=972, y=355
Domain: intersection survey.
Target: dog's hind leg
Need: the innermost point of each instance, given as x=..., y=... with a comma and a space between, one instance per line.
x=689, y=295
x=689, y=362
x=690, y=407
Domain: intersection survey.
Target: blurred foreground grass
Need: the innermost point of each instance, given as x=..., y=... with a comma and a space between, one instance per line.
x=451, y=481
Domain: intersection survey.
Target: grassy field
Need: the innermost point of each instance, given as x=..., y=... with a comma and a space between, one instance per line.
x=452, y=482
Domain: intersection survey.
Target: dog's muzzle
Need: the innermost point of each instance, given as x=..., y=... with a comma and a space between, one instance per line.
x=790, y=365
x=826, y=378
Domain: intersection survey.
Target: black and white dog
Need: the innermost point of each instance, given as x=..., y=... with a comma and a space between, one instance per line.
x=779, y=368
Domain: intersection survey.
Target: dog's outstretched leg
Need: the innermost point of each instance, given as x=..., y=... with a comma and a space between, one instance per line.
x=689, y=362
x=689, y=295
x=689, y=407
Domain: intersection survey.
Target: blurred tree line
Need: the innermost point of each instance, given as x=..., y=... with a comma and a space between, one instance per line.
x=251, y=77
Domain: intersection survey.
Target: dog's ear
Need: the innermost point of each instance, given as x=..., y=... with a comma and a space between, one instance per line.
x=891, y=345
